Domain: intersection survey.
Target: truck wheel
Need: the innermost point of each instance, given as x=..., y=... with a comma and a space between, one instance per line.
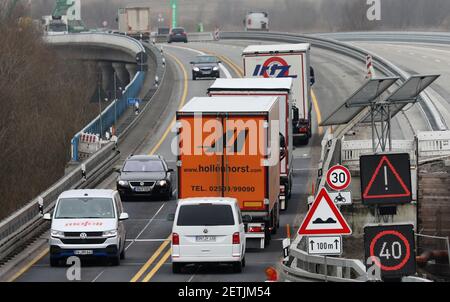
x=122, y=254
x=194, y=77
x=243, y=262
x=274, y=221
x=237, y=267
x=267, y=237
x=176, y=267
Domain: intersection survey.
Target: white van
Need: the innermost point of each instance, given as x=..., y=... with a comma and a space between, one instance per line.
x=208, y=230
x=87, y=223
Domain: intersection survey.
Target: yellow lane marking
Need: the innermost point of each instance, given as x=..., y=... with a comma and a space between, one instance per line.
x=155, y=148
x=151, y=260
x=158, y=266
x=317, y=109
x=183, y=100
x=30, y=264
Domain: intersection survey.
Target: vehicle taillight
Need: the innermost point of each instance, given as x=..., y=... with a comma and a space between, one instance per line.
x=236, y=238
x=303, y=130
x=255, y=229
x=175, y=239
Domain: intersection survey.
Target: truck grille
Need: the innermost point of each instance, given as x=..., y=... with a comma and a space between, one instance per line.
x=144, y=183
x=77, y=234
x=84, y=241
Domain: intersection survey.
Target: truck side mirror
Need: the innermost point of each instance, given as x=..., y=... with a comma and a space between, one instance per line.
x=295, y=114
x=123, y=216
x=47, y=217
x=170, y=170
x=312, y=77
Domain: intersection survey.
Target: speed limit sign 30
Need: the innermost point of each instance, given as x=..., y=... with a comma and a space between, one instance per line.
x=338, y=178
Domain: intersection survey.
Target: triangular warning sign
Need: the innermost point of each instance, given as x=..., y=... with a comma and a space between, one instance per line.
x=386, y=182
x=324, y=218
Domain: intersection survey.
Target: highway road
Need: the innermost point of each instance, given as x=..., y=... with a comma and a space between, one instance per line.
x=420, y=58
x=148, y=246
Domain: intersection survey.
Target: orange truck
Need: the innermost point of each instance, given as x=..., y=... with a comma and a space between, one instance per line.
x=229, y=147
x=281, y=87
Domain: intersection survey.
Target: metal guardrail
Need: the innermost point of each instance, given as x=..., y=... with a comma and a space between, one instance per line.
x=430, y=112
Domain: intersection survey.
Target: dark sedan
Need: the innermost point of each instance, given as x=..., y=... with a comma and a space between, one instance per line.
x=145, y=176
x=205, y=67
x=177, y=34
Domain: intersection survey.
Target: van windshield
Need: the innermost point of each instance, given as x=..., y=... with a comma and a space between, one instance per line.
x=85, y=208
x=205, y=214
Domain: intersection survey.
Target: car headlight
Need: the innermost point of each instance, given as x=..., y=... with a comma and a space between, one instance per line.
x=196, y=69
x=215, y=68
x=162, y=182
x=123, y=183
x=55, y=233
x=111, y=233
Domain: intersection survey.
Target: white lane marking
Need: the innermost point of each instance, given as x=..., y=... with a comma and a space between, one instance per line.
x=222, y=67
x=98, y=276
x=146, y=226
x=437, y=61
x=190, y=279
x=145, y=240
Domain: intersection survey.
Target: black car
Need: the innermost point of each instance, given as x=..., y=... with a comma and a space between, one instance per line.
x=205, y=66
x=145, y=176
x=177, y=34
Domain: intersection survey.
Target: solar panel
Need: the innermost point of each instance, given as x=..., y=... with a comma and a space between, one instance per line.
x=412, y=88
x=363, y=97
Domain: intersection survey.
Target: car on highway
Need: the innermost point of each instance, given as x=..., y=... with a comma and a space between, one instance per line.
x=205, y=66
x=87, y=224
x=177, y=34
x=208, y=230
x=145, y=176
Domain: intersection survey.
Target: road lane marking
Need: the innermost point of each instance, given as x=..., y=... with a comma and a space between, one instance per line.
x=29, y=265
x=145, y=227
x=146, y=240
x=158, y=266
x=151, y=260
x=318, y=113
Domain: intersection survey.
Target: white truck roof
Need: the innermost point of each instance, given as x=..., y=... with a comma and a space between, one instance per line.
x=236, y=104
x=252, y=84
x=277, y=48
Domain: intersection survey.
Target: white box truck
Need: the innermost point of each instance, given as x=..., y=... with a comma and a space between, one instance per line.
x=286, y=61
x=268, y=87
x=256, y=21
x=134, y=21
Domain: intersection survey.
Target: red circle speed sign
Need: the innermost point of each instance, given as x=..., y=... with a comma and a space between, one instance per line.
x=406, y=255
x=338, y=178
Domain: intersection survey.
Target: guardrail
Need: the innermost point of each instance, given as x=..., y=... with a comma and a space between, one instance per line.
x=430, y=112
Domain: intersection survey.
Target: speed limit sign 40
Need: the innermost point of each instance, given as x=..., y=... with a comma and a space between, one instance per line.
x=338, y=178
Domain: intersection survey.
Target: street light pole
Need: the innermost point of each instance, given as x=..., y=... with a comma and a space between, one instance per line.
x=100, y=104
x=115, y=100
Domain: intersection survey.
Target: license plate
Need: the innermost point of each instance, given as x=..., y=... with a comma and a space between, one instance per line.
x=83, y=252
x=142, y=189
x=205, y=238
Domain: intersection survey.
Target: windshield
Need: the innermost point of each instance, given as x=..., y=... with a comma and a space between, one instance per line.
x=143, y=166
x=205, y=214
x=206, y=59
x=85, y=207
x=57, y=27
x=178, y=30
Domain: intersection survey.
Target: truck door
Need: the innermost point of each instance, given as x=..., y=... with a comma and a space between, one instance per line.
x=200, y=173
x=244, y=174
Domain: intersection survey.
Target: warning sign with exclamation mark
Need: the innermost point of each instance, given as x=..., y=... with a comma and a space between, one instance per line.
x=385, y=179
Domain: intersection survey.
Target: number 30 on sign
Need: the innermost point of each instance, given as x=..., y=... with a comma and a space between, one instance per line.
x=338, y=178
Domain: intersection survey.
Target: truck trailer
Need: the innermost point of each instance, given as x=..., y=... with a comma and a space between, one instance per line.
x=256, y=21
x=134, y=21
x=268, y=87
x=229, y=147
x=286, y=61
